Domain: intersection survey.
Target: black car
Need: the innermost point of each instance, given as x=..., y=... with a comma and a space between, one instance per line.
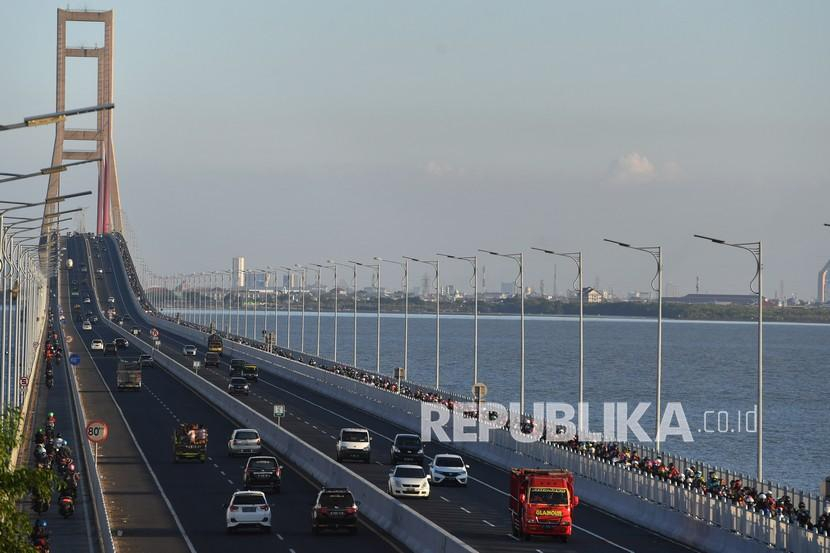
x=146, y=360
x=407, y=448
x=239, y=385
x=236, y=364
x=110, y=349
x=211, y=359
x=262, y=472
x=121, y=343
x=335, y=509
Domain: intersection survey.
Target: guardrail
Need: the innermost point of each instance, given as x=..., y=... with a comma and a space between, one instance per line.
x=392, y=516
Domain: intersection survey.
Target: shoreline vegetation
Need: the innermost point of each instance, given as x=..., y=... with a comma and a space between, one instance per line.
x=539, y=306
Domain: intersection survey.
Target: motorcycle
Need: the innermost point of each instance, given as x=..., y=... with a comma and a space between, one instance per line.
x=50, y=381
x=66, y=506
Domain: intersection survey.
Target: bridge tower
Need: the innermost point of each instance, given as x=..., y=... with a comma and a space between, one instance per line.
x=109, y=198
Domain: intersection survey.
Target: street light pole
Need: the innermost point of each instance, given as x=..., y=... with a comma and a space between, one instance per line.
x=576, y=257
x=354, y=309
x=755, y=249
x=319, y=294
x=290, y=272
x=437, y=266
x=655, y=252
x=519, y=259
x=472, y=260
x=405, y=266
x=376, y=268
x=302, y=317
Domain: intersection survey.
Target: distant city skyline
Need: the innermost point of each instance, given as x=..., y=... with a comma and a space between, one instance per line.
x=296, y=133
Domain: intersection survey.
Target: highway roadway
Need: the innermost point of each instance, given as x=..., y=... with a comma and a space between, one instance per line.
x=196, y=492
x=478, y=514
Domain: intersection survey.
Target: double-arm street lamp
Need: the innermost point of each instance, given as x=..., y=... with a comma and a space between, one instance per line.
x=755, y=249
x=353, y=267
x=576, y=257
x=405, y=266
x=376, y=268
x=290, y=272
x=657, y=253
x=332, y=267
x=435, y=264
x=519, y=259
x=304, y=273
x=473, y=261
x=318, y=270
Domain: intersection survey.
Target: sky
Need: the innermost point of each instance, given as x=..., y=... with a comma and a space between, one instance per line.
x=296, y=132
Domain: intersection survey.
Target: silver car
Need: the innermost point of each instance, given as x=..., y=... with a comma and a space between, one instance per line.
x=244, y=441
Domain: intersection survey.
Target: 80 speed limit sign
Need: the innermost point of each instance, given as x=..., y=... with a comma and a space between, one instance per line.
x=97, y=431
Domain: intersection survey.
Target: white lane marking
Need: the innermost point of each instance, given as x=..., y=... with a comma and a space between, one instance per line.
x=539, y=551
x=444, y=498
x=147, y=464
x=230, y=481
x=466, y=511
x=490, y=524
x=279, y=537
x=511, y=536
x=609, y=542
x=222, y=472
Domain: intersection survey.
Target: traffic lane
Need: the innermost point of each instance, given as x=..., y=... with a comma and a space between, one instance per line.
x=202, y=513
x=77, y=531
x=132, y=499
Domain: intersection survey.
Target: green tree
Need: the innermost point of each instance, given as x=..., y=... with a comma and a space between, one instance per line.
x=16, y=484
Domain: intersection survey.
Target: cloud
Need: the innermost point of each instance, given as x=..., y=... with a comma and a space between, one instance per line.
x=442, y=169
x=632, y=168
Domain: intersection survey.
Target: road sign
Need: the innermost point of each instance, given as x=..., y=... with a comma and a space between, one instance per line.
x=97, y=431
x=154, y=332
x=196, y=366
x=69, y=339
x=74, y=359
x=279, y=410
x=479, y=391
x=24, y=381
x=157, y=343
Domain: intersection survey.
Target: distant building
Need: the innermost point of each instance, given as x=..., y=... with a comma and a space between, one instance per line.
x=591, y=295
x=508, y=288
x=238, y=270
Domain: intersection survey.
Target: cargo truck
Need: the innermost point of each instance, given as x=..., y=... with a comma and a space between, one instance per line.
x=128, y=375
x=542, y=502
x=215, y=344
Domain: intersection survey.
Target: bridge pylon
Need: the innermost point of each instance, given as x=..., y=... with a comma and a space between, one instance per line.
x=109, y=198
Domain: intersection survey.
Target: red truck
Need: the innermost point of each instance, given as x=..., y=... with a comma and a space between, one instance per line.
x=542, y=502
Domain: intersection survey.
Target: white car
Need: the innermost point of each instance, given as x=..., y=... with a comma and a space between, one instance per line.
x=111, y=299
x=87, y=300
x=97, y=345
x=243, y=441
x=87, y=325
x=354, y=443
x=408, y=481
x=248, y=509
x=448, y=469
x=190, y=351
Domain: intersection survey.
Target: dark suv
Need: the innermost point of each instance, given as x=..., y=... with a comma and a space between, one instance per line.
x=236, y=364
x=211, y=359
x=407, y=448
x=262, y=472
x=335, y=509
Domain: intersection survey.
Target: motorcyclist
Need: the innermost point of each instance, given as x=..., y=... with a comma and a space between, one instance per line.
x=51, y=419
x=40, y=436
x=40, y=533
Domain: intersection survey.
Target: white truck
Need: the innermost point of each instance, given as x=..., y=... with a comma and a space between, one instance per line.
x=128, y=375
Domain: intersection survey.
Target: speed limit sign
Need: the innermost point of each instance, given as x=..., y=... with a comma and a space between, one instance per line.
x=97, y=431
x=154, y=332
